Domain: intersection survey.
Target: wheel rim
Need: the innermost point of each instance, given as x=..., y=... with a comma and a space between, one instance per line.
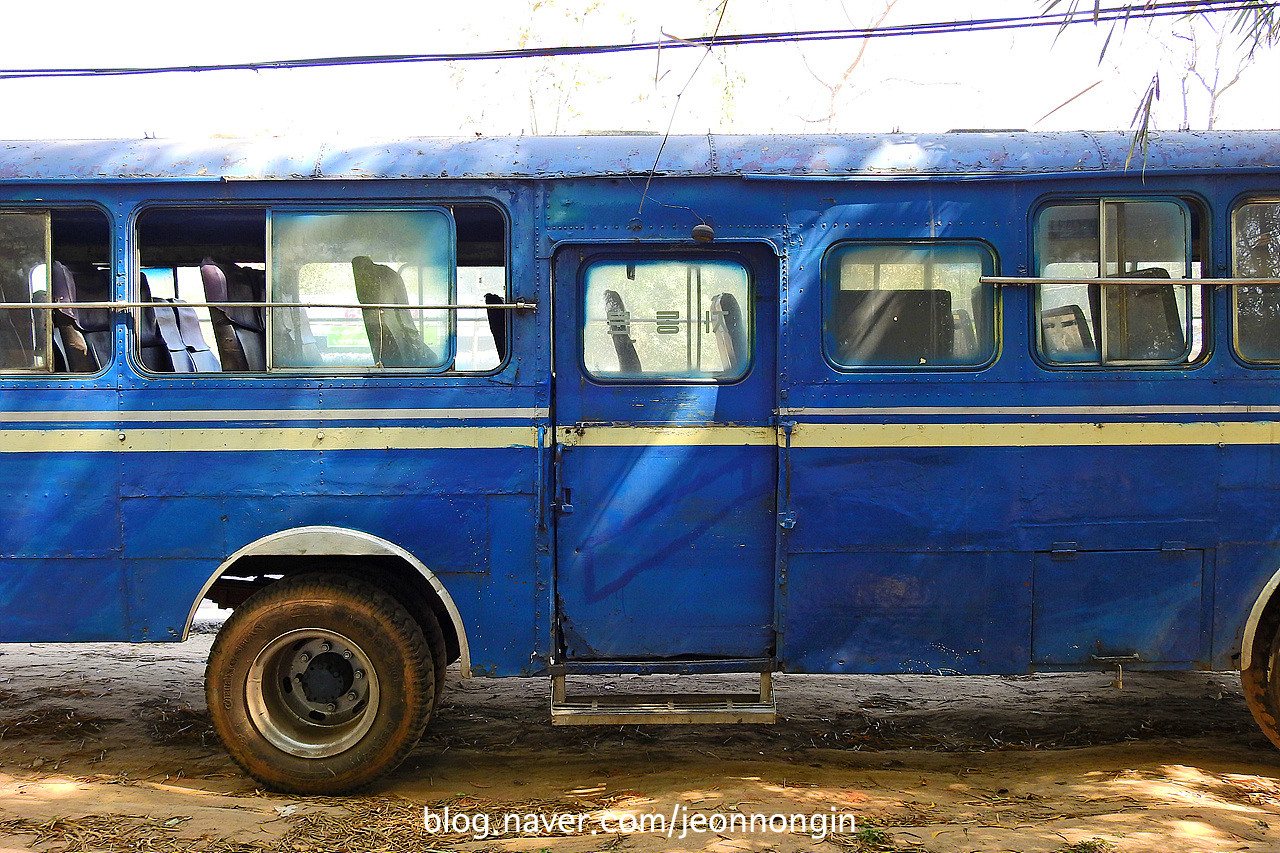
x=312, y=693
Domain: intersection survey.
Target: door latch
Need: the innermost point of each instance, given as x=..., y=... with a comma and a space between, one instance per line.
x=562, y=503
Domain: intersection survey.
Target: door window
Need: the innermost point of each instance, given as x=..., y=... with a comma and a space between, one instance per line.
x=667, y=319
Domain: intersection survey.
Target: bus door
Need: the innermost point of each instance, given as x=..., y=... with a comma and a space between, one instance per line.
x=61, y=577
x=666, y=455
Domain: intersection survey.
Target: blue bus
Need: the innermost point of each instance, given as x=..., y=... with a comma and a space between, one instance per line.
x=963, y=403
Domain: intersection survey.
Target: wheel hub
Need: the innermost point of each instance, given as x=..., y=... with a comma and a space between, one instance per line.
x=325, y=681
x=312, y=693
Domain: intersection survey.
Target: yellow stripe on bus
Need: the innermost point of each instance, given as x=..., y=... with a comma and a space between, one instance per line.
x=803, y=435
x=264, y=438
x=1033, y=434
x=666, y=436
x=1098, y=434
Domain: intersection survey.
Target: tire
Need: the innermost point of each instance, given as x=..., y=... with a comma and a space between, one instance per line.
x=420, y=607
x=1261, y=681
x=320, y=684
x=434, y=636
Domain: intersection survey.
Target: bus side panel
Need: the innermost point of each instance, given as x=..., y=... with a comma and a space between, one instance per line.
x=61, y=600
x=910, y=498
x=1141, y=527
x=59, y=504
x=60, y=540
x=863, y=596
x=1095, y=607
x=1131, y=497
x=1242, y=573
x=177, y=527
x=468, y=515
x=1250, y=554
x=939, y=612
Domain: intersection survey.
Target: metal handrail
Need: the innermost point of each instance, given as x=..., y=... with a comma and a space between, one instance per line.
x=519, y=305
x=1020, y=280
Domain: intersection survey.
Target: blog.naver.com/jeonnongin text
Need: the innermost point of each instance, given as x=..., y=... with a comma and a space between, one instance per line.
x=678, y=823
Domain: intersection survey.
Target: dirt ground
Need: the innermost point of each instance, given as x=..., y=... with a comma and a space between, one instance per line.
x=108, y=747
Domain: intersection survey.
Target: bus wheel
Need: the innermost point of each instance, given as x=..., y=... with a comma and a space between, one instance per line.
x=319, y=684
x=431, y=632
x=1261, y=681
x=430, y=626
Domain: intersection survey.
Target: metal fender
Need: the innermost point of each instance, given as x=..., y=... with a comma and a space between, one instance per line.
x=1255, y=616
x=322, y=540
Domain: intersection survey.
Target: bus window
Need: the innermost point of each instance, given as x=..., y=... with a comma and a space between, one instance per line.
x=481, y=334
x=348, y=268
x=1134, y=324
x=24, y=274
x=197, y=255
x=371, y=258
x=667, y=319
x=908, y=305
x=1256, y=254
x=60, y=256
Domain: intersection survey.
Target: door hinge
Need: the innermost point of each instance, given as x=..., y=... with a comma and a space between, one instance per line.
x=1063, y=551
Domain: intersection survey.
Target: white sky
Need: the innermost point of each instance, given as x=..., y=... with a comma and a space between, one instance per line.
x=992, y=80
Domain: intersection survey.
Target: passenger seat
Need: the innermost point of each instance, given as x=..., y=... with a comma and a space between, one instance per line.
x=240, y=333
x=153, y=350
x=82, y=336
x=394, y=337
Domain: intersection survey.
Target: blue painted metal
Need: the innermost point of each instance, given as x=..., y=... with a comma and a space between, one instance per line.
x=896, y=155
x=890, y=558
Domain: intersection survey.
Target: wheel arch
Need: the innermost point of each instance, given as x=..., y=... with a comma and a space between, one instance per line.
x=322, y=544
x=1267, y=600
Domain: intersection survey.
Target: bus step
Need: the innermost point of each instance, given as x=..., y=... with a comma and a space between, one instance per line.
x=662, y=708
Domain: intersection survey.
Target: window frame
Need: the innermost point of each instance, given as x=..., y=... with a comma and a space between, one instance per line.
x=50, y=209
x=47, y=351
x=1236, y=207
x=686, y=257
x=827, y=308
x=1192, y=211
x=373, y=369
x=270, y=206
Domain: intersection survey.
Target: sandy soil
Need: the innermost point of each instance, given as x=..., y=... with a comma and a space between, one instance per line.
x=107, y=747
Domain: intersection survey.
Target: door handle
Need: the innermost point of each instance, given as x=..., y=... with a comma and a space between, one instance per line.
x=562, y=504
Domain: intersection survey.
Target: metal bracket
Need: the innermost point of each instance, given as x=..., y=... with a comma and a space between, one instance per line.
x=662, y=708
x=1119, y=661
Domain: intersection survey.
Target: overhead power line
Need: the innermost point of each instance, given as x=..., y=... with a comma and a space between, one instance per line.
x=1119, y=14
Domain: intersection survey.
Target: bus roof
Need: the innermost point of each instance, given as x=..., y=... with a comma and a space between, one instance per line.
x=959, y=153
